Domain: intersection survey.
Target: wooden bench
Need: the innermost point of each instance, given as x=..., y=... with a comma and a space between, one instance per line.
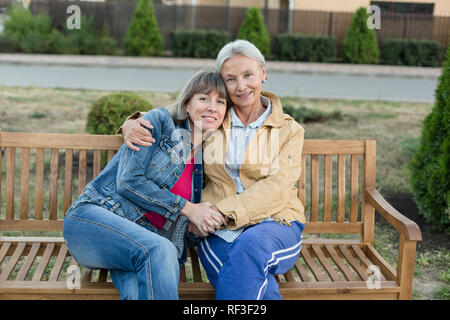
x=41, y=174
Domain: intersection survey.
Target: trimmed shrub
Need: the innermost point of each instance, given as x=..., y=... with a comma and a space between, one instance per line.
x=430, y=165
x=143, y=36
x=297, y=47
x=32, y=34
x=198, y=43
x=424, y=53
x=108, y=113
x=360, y=44
x=254, y=30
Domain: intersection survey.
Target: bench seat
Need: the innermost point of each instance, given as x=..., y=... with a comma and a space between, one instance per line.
x=35, y=268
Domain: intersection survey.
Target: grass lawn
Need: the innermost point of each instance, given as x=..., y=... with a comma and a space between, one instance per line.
x=395, y=125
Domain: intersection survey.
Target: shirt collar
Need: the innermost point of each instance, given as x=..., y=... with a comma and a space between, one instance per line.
x=236, y=122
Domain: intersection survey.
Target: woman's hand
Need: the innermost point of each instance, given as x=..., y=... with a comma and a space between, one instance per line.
x=204, y=217
x=135, y=133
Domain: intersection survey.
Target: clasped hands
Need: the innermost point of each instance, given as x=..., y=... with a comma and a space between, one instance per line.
x=204, y=218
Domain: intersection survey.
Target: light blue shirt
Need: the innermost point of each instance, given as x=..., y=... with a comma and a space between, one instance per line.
x=240, y=137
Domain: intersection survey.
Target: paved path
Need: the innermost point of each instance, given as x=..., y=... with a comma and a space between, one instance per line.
x=310, y=80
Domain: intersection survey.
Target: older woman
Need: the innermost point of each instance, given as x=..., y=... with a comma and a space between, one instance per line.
x=251, y=163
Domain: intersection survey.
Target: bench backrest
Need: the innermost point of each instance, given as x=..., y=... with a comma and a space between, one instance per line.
x=42, y=174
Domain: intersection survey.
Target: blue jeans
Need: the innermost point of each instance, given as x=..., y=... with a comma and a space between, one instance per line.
x=245, y=268
x=143, y=265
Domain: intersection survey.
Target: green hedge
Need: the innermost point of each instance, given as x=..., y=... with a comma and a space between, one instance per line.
x=297, y=47
x=407, y=52
x=198, y=43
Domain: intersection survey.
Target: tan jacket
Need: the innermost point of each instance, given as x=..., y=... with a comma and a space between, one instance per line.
x=269, y=172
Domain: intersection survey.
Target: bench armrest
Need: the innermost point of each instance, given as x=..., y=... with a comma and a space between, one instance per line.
x=401, y=223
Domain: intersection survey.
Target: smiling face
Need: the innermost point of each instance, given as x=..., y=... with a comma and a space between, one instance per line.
x=207, y=109
x=243, y=77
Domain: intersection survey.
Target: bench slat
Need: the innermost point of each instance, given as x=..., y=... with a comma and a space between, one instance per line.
x=354, y=188
x=81, y=171
x=44, y=262
x=355, y=265
x=302, y=272
x=97, y=163
x=39, y=185
x=196, y=271
x=4, y=250
x=341, y=189
x=103, y=275
x=24, y=182
x=302, y=182
x=338, y=261
x=325, y=264
x=28, y=262
x=68, y=180
x=13, y=261
x=314, y=188
x=53, y=205
x=311, y=264
x=57, y=267
x=362, y=257
x=10, y=181
x=328, y=187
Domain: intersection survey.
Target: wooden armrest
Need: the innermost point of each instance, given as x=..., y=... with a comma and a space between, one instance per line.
x=401, y=223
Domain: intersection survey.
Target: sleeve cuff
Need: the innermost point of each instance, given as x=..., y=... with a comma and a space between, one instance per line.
x=234, y=210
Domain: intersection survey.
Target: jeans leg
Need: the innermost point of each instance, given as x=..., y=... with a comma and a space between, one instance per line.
x=98, y=238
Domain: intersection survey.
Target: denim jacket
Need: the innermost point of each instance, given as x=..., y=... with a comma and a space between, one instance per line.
x=134, y=182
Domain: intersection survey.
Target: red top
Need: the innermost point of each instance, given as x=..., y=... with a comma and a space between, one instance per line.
x=181, y=188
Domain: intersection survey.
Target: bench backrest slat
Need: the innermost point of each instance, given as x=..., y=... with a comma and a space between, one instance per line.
x=53, y=169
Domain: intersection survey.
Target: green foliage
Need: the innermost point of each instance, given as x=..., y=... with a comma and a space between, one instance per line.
x=297, y=47
x=143, y=37
x=109, y=112
x=304, y=115
x=31, y=34
x=360, y=44
x=424, y=53
x=254, y=30
x=198, y=43
x=430, y=166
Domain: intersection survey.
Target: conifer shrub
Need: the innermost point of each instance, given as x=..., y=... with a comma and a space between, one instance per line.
x=143, y=36
x=430, y=165
x=253, y=29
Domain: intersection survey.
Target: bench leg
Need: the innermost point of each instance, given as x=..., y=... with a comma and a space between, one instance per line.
x=405, y=267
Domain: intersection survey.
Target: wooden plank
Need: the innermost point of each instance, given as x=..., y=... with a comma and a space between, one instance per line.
x=405, y=266
x=97, y=163
x=1, y=176
x=354, y=188
x=4, y=250
x=362, y=257
x=13, y=261
x=368, y=212
x=385, y=268
x=333, y=227
x=355, y=265
x=328, y=187
x=39, y=185
x=301, y=271
x=10, y=181
x=31, y=225
x=313, y=146
x=53, y=199
x=24, y=182
x=302, y=182
x=325, y=263
x=44, y=261
x=289, y=276
x=68, y=167
x=28, y=262
x=110, y=155
x=311, y=264
x=59, y=263
x=314, y=188
x=341, y=189
x=196, y=271
x=81, y=171
x=338, y=261
x=60, y=140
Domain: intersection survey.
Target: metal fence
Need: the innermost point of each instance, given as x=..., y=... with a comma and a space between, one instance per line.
x=117, y=16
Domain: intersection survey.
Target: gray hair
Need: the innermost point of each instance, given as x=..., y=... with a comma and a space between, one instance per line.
x=203, y=81
x=242, y=47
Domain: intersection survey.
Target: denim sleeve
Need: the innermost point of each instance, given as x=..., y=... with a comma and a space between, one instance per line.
x=136, y=187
